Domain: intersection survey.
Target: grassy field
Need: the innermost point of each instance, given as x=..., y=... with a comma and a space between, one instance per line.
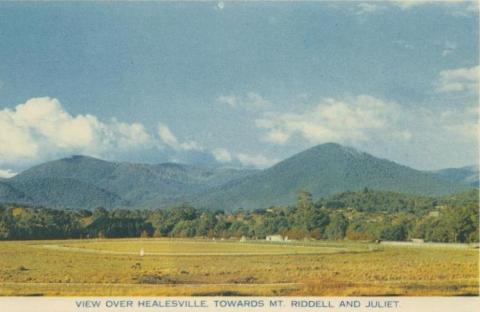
x=199, y=267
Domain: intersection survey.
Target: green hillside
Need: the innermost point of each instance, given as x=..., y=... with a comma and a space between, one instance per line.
x=468, y=175
x=86, y=182
x=324, y=170
x=67, y=193
x=9, y=194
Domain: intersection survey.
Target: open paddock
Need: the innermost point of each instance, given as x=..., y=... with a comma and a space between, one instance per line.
x=181, y=267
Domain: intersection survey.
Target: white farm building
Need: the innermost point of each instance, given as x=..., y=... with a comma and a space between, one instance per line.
x=275, y=238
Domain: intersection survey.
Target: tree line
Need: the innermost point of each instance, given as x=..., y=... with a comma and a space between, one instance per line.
x=364, y=215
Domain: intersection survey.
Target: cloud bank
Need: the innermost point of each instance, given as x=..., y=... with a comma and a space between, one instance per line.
x=354, y=119
x=41, y=129
x=251, y=101
x=458, y=80
x=455, y=7
x=7, y=173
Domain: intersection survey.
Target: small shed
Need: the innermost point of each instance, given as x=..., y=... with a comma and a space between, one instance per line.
x=274, y=238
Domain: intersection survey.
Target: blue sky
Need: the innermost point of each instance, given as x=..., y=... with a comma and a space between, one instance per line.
x=238, y=84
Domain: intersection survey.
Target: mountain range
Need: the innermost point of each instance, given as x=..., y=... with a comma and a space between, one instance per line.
x=468, y=175
x=82, y=182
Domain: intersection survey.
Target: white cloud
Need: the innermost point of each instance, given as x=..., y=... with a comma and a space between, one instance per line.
x=166, y=135
x=367, y=8
x=222, y=155
x=258, y=160
x=462, y=122
x=7, y=173
x=229, y=100
x=245, y=159
x=277, y=136
x=251, y=101
x=256, y=101
x=408, y=4
x=388, y=129
x=171, y=140
x=465, y=130
x=41, y=127
x=453, y=7
x=331, y=120
x=458, y=80
x=16, y=143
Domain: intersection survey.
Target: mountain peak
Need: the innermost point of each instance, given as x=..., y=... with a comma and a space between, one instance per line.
x=338, y=147
x=77, y=158
x=329, y=152
x=325, y=169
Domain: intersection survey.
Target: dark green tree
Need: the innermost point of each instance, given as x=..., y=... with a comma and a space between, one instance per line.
x=337, y=227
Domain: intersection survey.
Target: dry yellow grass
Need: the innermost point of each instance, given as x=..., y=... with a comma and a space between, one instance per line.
x=327, y=269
